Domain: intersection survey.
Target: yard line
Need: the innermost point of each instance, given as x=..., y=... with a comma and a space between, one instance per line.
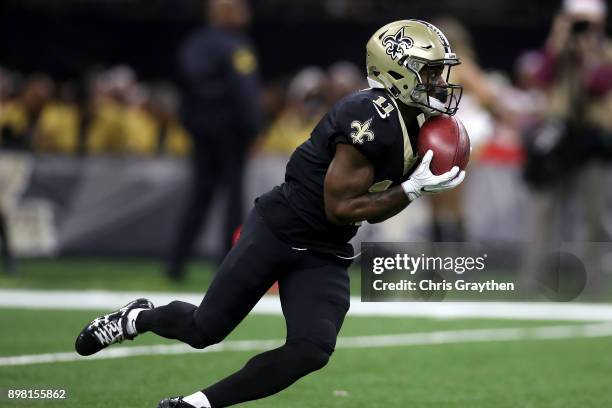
x=108, y=300
x=378, y=341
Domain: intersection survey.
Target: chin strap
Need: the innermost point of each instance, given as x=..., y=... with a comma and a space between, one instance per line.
x=437, y=104
x=419, y=99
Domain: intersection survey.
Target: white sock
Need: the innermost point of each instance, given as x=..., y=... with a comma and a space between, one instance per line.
x=131, y=321
x=198, y=400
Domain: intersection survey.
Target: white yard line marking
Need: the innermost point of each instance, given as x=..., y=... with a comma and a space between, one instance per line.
x=392, y=340
x=106, y=300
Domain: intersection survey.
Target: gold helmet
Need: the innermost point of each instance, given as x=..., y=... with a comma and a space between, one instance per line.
x=405, y=57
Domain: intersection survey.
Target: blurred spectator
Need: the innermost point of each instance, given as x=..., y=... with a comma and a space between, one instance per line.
x=221, y=110
x=274, y=98
x=19, y=117
x=106, y=110
x=527, y=100
x=58, y=128
x=576, y=73
x=476, y=103
x=8, y=261
x=565, y=151
x=6, y=86
x=479, y=99
x=140, y=132
x=306, y=104
x=172, y=138
x=129, y=117
x=344, y=79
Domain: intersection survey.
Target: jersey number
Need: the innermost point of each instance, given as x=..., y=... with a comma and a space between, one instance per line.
x=383, y=107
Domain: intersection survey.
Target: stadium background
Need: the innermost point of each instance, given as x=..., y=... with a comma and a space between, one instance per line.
x=88, y=226
x=66, y=37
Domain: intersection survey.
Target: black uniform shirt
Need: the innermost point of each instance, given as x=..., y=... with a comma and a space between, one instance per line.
x=219, y=84
x=370, y=121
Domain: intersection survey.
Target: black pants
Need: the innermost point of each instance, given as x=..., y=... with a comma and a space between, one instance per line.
x=314, y=294
x=217, y=165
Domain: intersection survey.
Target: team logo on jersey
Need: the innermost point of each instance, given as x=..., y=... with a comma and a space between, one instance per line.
x=362, y=131
x=397, y=44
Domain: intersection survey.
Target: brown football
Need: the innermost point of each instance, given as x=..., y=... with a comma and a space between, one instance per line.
x=448, y=139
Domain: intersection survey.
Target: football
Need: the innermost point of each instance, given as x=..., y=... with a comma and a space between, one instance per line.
x=448, y=139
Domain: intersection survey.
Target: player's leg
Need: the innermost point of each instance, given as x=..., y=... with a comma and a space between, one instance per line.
x=315, y=300
x=245, y=275
x=233, y=174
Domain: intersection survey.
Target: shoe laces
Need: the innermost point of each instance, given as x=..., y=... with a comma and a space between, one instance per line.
x=109, y=332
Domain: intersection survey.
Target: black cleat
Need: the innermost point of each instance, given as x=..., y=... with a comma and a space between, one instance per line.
x=108, y=329
x=174, y=402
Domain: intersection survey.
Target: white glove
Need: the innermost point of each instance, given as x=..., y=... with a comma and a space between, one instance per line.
x=423, y=181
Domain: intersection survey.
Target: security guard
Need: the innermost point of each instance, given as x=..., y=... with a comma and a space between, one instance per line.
x=221, y=110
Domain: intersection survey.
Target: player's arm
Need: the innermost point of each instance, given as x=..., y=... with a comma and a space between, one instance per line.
x=347, y=199
x=351, y=174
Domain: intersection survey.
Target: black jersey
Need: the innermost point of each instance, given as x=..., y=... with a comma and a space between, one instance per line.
x=370, y=121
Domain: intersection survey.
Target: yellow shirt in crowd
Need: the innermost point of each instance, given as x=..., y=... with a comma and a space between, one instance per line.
x=58, y=128
x=14, y=117
x=287, y=132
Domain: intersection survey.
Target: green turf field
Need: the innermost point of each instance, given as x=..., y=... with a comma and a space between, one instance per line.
x=554, y=373
x=126, y=275
x=573, y=372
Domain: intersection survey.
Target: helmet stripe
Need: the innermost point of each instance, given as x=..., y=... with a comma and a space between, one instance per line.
x=441, y=36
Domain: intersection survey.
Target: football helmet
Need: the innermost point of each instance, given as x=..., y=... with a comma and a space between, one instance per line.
x=412, y=60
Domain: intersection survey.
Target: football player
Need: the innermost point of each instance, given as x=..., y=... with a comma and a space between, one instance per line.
x=357, y=166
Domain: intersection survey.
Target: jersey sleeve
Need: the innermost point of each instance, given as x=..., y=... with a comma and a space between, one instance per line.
x=359, y=124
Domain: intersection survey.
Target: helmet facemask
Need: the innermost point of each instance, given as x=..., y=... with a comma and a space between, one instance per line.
x=432, y=89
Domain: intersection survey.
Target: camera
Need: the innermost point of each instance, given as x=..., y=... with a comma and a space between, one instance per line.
x=580, y=27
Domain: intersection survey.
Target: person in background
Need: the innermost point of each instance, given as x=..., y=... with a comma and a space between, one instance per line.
x=172, y=138
x=7, y=86
x=140, y=128
x=292, y=116
x=58, y=127
x=274, y=98
x=529, y=99
x=565, y=154
x=221, y=110
x=105, y=122
x=306, y=104
x=477, y=103
x=344, y=79
x=19, y=117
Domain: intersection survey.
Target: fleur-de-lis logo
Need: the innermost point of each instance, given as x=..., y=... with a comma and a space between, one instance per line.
x=362, y=131
x=396, y=44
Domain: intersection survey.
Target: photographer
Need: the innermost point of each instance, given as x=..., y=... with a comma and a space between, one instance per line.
x=566, y=151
